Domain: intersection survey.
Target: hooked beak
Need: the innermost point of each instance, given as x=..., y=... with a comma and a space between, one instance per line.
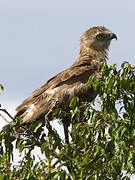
x=112, y=36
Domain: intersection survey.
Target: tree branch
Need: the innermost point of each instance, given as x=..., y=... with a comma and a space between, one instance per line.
x=5, y=111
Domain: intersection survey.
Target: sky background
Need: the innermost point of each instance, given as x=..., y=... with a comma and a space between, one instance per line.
x=39, y=38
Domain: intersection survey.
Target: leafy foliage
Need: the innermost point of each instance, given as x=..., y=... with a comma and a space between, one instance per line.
x=102, y=142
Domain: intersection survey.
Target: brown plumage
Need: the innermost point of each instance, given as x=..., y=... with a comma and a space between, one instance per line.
x=59, y=90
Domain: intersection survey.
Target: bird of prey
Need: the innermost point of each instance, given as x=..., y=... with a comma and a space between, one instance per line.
x=60, y=89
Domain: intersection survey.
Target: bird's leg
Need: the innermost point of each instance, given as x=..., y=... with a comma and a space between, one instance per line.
x=54, y=134
x=66, y=133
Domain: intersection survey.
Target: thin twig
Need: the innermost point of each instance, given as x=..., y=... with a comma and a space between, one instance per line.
x=5, y=111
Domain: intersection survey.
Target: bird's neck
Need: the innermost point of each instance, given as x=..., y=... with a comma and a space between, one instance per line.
x=93, y=54
x=87, y=56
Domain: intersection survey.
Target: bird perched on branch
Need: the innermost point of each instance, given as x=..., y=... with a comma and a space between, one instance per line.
x=60, y=89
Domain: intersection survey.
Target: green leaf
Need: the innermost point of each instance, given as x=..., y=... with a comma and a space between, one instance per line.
x=4, y=177
x=45, y=147
x=20, y=145
x=74, y=103
x=90, y=80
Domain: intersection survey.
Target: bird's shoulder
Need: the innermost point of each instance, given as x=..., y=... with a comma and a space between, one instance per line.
x=73, y=71
x=80, y=67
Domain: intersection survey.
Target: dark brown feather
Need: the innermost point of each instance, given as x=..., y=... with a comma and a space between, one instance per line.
x=71, y=82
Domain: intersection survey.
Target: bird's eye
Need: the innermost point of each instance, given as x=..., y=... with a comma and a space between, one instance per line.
x=100, y=37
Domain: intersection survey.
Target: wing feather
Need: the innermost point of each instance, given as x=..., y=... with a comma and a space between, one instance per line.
x=67, y=76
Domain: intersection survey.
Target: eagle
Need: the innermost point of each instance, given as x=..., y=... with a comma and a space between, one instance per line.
x=58, y=91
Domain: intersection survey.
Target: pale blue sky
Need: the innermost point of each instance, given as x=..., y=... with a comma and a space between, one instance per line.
x=39, y=38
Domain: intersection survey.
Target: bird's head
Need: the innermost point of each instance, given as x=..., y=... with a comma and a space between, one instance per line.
x=97, y=38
